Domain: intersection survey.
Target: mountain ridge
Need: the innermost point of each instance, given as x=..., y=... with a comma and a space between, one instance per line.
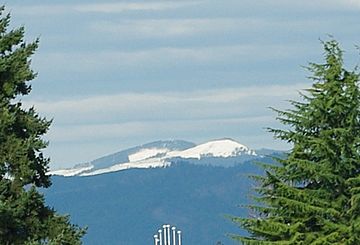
x=163, y=154
x=127, y=207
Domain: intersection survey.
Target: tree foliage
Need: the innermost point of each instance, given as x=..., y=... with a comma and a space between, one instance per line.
x=312, y=196
x=24, y=217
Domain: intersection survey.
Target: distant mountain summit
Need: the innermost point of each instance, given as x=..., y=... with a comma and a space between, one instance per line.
x=220, y=152
x=153, y=149
x=215, y=148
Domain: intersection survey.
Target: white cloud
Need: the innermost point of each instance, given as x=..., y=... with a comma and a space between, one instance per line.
x=157, y=28
x=132, y=113
x=60, y=9
x=120, y=7
x=40, y=10
x=306, y=5
x=162, y=57
x=164, y=28
x=134, y=129
x=132, y=6
x=349, y=3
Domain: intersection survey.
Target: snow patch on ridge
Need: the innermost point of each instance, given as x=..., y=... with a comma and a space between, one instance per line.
x=71, y=171
x=144, y=154
x=152, y=163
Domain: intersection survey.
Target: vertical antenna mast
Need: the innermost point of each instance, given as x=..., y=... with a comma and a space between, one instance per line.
x=167, y=235
x=174, y=234
x=156, y=240
x=160, y=237
x=179, y=237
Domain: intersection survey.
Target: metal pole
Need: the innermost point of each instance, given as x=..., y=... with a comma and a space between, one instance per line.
x=165, y=235
x=174, y=235
x=160, y=237
x=168, y=234
x=156, y=239
x=179, y=237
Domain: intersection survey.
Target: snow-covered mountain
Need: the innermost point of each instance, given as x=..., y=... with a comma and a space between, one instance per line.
x=164, y=153
x=215, y=148
x=153, y=149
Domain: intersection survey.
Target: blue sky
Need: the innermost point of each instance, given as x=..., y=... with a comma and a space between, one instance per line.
x=115, y=74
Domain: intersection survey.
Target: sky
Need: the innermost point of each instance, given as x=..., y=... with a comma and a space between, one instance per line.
x=116, y=74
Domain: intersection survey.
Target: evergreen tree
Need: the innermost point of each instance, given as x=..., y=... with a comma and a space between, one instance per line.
x=312, y=196
x=24, y=217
